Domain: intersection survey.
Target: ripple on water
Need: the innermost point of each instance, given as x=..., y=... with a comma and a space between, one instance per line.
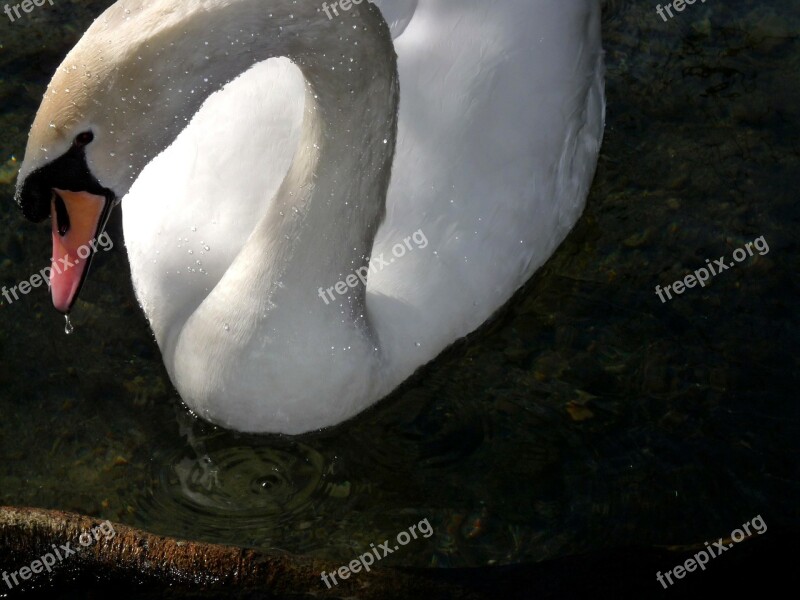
x=248, y=488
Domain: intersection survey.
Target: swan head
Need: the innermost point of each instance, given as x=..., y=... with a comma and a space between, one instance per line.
x=57, y=180
x=69, y=173
x=125, y=92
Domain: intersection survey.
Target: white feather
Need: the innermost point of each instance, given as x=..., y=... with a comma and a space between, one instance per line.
x=500, y=123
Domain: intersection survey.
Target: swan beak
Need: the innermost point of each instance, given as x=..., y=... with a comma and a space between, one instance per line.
x=78, y=218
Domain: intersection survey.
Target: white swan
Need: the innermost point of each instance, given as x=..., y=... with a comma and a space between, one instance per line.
x=279, y=185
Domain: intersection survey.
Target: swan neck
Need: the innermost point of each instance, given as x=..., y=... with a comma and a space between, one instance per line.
x=188, y=54
x=321, y=225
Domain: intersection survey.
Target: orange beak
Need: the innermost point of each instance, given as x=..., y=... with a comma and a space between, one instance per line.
x=78, y=219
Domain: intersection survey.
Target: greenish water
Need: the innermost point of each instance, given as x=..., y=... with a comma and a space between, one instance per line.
x=588, y=416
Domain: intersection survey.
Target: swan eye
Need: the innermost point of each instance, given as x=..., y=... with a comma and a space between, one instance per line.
x=82, y=139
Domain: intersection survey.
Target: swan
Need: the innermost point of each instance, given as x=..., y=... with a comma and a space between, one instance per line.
x=317, y=204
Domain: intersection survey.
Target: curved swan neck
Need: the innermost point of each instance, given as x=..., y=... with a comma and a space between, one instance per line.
x=159, y=64
x=321, y=225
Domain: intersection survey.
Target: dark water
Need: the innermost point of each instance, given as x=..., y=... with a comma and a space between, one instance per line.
x=590, y=415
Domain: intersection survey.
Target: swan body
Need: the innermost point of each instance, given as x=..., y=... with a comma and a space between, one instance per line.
x=449, y=174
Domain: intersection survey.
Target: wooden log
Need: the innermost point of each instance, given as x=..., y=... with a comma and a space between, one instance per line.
x=134, y=565
x=156, y=562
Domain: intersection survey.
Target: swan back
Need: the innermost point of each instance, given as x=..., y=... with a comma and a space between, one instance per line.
x=497, y=146
x=500, y=123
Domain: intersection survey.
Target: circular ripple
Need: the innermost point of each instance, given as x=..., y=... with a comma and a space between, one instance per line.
x=229, y=489
x=239, y=481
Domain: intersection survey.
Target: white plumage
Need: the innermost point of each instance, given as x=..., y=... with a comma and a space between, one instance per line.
x=499, y=126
